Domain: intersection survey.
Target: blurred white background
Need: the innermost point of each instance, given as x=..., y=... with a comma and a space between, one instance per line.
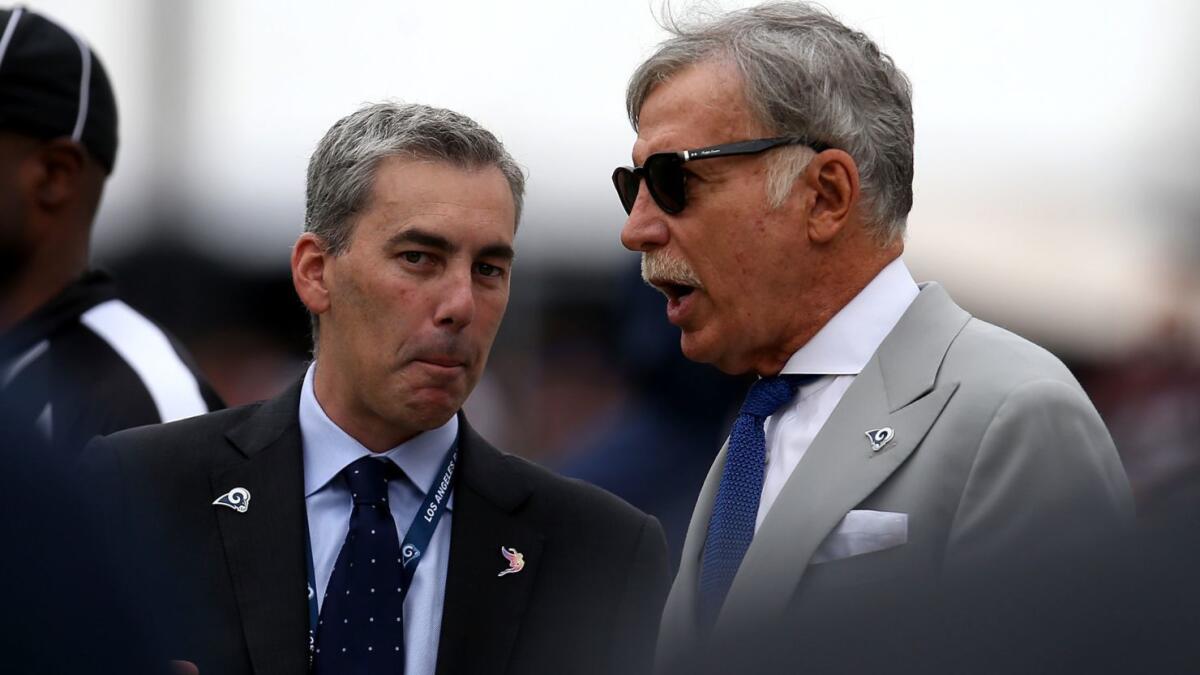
x=1056, y=194
x=1056, y=188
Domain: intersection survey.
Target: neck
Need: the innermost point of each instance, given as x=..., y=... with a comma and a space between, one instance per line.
x=841, y=283
x=43, y=278
x=374, y=433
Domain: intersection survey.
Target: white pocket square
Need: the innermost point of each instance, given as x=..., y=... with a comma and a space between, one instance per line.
x=863, y=532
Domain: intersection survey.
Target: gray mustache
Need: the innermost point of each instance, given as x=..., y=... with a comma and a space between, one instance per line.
x=659, y=266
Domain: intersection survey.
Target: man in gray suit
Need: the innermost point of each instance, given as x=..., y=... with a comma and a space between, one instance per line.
x=892, y=436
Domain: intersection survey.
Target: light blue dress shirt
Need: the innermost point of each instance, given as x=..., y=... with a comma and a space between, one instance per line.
x=327, y=450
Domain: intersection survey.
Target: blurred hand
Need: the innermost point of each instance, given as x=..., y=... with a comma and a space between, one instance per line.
x=184, y=668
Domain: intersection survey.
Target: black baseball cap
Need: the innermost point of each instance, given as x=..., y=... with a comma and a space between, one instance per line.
x=53, y=85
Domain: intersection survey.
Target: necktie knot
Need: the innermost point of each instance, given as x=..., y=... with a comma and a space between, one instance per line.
x=368, y=479
x=769, y=394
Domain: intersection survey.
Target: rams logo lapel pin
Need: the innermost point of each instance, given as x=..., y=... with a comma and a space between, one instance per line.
x=237, y=499
x=880, y=437
x=408, y=554
x=516, y=560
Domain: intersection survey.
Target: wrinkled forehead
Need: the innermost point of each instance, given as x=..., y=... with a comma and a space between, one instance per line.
x=700, y=105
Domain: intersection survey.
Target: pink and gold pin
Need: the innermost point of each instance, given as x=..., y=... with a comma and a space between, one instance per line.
x=516, y=560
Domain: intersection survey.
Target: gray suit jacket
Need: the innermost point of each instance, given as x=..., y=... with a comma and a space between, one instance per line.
x=997, y=450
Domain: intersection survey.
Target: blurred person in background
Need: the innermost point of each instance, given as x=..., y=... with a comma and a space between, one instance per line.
x=85, y=362
x=425, y=549
x=675, y=412
x=891, y=435
x=57, y=575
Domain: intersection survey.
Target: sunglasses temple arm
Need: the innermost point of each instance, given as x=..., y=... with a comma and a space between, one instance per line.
x=748, y=148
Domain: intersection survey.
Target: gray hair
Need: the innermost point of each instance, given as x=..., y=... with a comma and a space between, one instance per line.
x=806, y=74
x=341, y=172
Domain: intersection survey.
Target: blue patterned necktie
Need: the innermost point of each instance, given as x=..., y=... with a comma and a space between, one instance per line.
x=361, y=627
x=735, y=509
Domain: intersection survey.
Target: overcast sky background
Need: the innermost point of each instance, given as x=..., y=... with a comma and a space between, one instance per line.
x=1056, y=182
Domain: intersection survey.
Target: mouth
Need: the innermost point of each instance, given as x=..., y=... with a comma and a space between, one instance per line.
x=441, y=362
x=674, y=290
x=680, y=299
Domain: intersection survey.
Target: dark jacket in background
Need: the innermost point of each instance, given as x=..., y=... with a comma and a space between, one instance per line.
x=76, y=381
x=65, y=609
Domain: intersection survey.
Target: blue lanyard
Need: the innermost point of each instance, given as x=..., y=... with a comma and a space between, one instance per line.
x=416, y=540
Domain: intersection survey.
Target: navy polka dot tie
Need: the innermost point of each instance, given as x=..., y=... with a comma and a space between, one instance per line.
x=361, y=627
x=735, y=509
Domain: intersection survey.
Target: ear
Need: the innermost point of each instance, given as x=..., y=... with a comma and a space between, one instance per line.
x=310, y=268
x=832, y=177
x=58, y=176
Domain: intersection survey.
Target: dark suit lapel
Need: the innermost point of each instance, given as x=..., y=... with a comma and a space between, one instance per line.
x=264, y=546
x=898, y=389
x=483, y=610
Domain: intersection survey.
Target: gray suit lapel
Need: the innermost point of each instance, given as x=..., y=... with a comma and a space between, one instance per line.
x=898, y=389
x=838, y=471
x=679, y=627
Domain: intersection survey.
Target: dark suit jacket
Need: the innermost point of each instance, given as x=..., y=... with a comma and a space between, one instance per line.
x=233, y=600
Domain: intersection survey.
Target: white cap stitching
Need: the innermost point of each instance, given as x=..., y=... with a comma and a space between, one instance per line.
x=9, y=30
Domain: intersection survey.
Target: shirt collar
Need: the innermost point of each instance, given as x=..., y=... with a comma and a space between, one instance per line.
x=846, y=343
x=328, y=449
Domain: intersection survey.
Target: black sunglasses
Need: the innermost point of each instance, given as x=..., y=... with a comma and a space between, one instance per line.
x=666, y=179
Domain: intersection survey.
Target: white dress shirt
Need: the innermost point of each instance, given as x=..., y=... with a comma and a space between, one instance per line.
x=839, y=351
x=327, y=450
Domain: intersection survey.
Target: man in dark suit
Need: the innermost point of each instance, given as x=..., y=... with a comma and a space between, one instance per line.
x=425, y=549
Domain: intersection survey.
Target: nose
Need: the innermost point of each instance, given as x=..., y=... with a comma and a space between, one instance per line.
x=457, y=307
x=646, y=228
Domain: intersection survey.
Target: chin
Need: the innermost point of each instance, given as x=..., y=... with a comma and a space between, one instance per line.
x=430, y=409
x=697, y=346
x=421, y=419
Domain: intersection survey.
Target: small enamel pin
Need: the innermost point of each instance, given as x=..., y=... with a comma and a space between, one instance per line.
x=516, y=561
x=237, y=499
x=408, y=554
x=880, y=437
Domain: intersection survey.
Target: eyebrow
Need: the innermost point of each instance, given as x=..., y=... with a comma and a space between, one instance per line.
x=497, y=251
x=422, y=238
x=438, y=242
